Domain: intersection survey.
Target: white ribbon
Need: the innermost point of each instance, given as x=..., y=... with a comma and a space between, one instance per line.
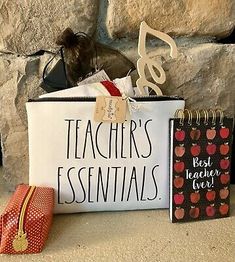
x=132, y=104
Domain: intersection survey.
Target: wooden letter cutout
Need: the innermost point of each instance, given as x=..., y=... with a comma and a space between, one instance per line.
x=145, y=60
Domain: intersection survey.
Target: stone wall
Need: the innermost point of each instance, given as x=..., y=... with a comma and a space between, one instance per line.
x=203, y=73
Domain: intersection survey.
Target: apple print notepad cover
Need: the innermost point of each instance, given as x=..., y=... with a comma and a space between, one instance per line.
x=200, y=155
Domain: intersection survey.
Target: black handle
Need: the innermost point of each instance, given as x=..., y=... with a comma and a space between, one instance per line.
x=46, y=81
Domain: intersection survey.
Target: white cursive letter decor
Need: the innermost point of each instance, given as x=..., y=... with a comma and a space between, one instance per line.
x=145, y=60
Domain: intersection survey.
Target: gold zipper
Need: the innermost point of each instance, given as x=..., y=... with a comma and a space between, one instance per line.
x=20, y=242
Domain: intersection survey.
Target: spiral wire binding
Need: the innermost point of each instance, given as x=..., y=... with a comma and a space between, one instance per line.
x=198, y=117
x=206, y=116
x=213, y=112
x=190, y=116
x=181, y=117
x=203, y=113
x=221, y=121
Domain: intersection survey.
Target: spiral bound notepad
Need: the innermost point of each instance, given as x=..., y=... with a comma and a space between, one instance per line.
x=200, y=155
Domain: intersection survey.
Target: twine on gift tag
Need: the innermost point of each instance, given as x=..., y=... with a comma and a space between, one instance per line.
x=113, y=108
x=132, y=104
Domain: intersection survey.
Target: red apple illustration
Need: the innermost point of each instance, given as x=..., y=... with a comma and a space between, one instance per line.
x=194, y=212
x=178, y=181
x=210, y=195
x=224, y=192
x=179, y=150
x=224, y=149
x=195, y=149
x=195, y=133
x=195, y=197
x=210, y=148
x=210, y=210
x=224, y=132
x=223, y=209
x=179, y=135
x=211, y=133
x=179, y=166
x=179, y=213
x=224, y=163
x=225, y=178
x=179, y=198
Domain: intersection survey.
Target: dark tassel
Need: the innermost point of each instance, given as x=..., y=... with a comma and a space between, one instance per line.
x=82, y=55
x=67, y=39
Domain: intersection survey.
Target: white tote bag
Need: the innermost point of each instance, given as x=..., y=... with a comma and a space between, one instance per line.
x=101, y=166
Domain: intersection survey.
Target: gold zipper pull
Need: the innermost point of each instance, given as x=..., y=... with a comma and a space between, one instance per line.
x=20, y=242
